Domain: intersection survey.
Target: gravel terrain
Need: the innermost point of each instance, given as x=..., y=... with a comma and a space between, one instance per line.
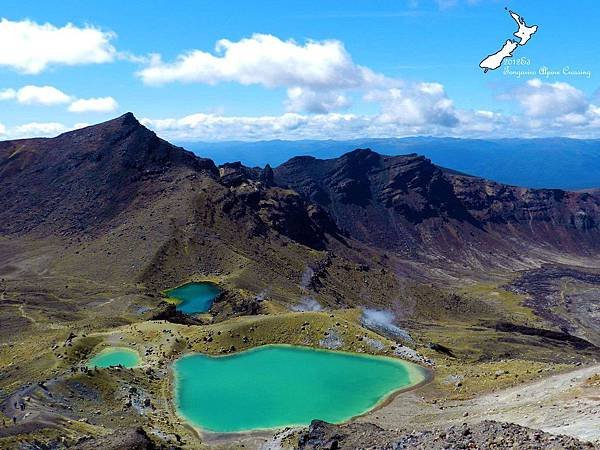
x=484, y=435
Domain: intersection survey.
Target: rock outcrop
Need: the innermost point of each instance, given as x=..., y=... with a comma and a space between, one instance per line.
x=488, y=434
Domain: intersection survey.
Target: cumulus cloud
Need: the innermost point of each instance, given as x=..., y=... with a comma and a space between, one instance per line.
x=552, y=109
x=37, y=129
x=36, y=95
x=540, y=99
x=41, y=129
x=413, y=109
x=264, y=60
x=415, y=104
x=49, y=95
x=30, y=48
x=98, y=104
x=303, y=99
x=286, y=126
x=406, y=110
x=213, y=127
x=8, y=94
x=318, y=76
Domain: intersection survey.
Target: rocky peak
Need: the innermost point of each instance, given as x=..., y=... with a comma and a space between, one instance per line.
x=85, y=176
x=235, y=174
x=363, y=157
x=267, y=176
x=111, y=130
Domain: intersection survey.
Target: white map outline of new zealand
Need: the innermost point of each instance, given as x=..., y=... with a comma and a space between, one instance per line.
x=524, y=33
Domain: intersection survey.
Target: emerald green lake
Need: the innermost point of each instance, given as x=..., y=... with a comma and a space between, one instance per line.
x=113, y=356
x=278, y=385
x=194, y=297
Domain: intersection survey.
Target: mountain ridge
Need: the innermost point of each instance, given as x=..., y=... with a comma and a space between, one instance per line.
x=562, y=163
x=406, y=199
x=85, y=178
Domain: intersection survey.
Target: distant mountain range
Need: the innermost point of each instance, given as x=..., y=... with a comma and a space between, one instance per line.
x=562, y=163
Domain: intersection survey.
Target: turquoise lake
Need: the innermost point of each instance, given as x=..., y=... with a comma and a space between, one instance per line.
x=113, y=356
x=194, y=297
x=278, y=385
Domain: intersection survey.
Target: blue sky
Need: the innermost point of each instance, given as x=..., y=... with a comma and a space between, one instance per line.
x=304, y=69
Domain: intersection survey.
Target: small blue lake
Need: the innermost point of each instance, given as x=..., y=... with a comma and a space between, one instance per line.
x=278, y=385
x=115, y=356
x=193, y=298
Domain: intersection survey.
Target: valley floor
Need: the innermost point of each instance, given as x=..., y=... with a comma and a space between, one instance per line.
x=52, y=324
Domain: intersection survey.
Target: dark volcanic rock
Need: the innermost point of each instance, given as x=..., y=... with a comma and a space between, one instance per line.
x=80, y=180
x=261, y=208
x=377, y=199
x=230, y=304
x=235, y=173
x=168, y=311
x=441, y=349
x=407, y=204
x=488, y=434
x=575, y=341
x=85, y=183
x=565, y=296
x=132, y=439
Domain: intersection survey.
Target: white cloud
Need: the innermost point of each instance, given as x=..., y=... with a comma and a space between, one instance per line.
x=415, y=104
x=8, y=94
x=318, y=76
x=553, y=109
x=98, y=104
x=286, y=126
x=213, y=127
x=38, y=129
x=30, y=48
x=39, y=95
x=265, y=60
x=49, y=95
x=408, y=109
x=540, y=99
x=303, y=99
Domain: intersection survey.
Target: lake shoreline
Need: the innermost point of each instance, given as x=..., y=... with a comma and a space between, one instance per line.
x=418, y=376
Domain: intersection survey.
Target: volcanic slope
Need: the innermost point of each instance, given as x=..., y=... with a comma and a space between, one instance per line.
x=408, y=205
x=115, y=203
x=435, y=224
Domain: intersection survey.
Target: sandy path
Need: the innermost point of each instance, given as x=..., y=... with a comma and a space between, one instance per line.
x=560, y=404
